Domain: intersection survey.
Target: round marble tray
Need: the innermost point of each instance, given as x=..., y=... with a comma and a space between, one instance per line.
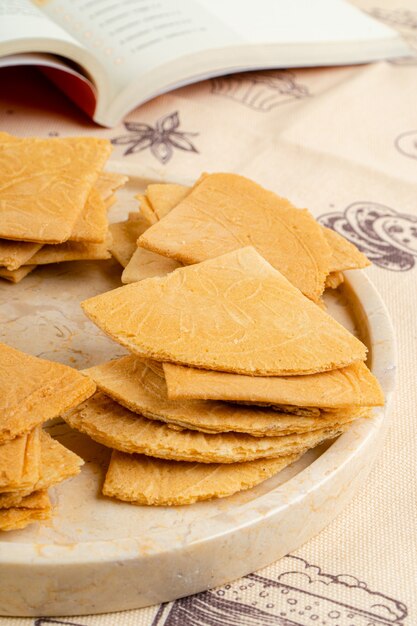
x=99, y=555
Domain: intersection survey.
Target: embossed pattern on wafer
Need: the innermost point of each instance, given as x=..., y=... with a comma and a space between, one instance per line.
x=233, y=313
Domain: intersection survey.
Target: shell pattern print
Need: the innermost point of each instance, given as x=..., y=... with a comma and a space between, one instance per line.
x=388, y=238
x=260, y=91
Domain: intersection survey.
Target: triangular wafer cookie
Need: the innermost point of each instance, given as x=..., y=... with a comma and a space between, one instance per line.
x=32, y=508
x=345, y=256
x=112, y=425
x=334, y=279
x=72, y=251
x=146, y=209
x=145, y=264
x=37, y=499
x=224, y=212
x=352, y=386
x=139, y=385
x=108, y=182
x=33, y=390
x=164, y=197
x=57, y=463
x=234, y=313
x=44, y=185
x=124, y=237
x=20, y=461
x=144, y=480
x=92, y=224
x=15, y=276
x=13, y=254
x=160, y=199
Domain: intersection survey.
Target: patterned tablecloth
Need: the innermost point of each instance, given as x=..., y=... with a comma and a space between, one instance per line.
x=342, y=141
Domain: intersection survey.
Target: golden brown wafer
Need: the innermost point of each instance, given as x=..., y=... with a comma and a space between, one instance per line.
x=72, y=251
x=20, y=461
x=345, y=255
x=233, y=313
x=112, y=425
x=33, y=390
x=57, y=463
x=139, y=385
x=145, y=264
x=164, y=197
x=349, y=387
x=44, y=185
x=124, y=237
x=144, y=480
x=225, y=212
x=15, y=276
x=32, y=508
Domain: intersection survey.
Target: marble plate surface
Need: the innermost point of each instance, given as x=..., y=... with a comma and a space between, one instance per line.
x=98, y=555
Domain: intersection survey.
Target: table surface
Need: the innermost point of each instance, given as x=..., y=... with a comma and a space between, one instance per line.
x=343, y=142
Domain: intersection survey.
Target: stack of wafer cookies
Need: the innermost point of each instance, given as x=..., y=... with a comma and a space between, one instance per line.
x=223, y=212
x=157, y=202
x=233, y=374
x=125, y=235
x=33, y=390
x=54, y=197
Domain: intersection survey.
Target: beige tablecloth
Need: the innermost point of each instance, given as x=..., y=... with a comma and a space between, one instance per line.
x=342, y=141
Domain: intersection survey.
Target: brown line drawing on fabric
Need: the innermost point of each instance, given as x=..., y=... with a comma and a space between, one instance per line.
x=405, y=22
x=406, y=144
x=300, y=594
x=388, y=238
x=162, y=139
x=260, y=91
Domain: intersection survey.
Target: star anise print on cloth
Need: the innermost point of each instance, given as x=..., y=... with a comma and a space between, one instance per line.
x=388, y=238
x=161, y=139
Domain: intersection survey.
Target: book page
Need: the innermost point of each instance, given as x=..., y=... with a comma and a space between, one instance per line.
x=21, y=20
x=146, y=47
x=297, y=21
x=133, y=37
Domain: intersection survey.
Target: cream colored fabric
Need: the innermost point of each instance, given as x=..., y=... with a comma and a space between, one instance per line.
x=344, y=141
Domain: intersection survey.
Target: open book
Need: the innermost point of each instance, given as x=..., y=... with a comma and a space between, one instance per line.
x=111, y=55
